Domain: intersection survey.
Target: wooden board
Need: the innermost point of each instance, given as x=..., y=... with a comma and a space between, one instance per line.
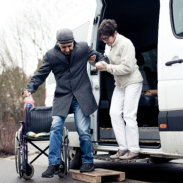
x=98, y=175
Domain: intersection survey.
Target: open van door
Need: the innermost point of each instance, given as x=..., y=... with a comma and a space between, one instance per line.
x=170, y=56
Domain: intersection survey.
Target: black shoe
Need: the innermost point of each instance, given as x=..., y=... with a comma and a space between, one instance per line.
x=51, y=170
x=87, y=167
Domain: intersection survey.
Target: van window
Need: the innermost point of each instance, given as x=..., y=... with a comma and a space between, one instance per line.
x=177, y=17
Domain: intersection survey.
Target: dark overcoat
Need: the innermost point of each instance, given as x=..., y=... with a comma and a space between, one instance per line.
x=72, y=79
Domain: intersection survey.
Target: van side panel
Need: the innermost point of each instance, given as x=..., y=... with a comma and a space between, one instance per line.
x=170, y=46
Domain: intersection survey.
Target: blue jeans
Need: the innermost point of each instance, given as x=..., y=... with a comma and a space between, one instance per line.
x=83, y=128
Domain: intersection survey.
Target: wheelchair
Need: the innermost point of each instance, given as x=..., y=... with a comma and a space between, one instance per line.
x=37, y=120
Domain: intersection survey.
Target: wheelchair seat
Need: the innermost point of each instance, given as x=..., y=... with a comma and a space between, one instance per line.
x=42, y=138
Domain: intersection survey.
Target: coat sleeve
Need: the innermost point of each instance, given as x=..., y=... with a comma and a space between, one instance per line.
x=99, y=56
x=40, y=76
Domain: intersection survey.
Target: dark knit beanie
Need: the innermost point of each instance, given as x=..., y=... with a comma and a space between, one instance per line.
x=64, y=35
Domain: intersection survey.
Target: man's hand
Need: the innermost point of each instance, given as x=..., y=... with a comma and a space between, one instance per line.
x=26, y=93
x=102, y=66
x=92, y=60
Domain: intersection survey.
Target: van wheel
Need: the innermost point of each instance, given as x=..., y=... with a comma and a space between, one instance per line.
x=160, y=160
x=76, y=162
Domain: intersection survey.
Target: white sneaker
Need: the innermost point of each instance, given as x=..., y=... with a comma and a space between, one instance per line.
x=129, y=155
x=118, y=154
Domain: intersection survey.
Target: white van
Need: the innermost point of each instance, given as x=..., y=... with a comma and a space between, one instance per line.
x=156, y=29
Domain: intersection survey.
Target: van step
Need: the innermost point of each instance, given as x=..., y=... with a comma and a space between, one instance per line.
x=150, y=134
x=106, y=157
x=155, y=144
x=141, y=141
x=98, y=175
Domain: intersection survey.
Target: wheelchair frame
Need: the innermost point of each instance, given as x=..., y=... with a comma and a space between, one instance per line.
x=25, y=168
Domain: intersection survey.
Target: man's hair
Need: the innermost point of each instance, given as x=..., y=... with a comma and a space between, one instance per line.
x=107, y=27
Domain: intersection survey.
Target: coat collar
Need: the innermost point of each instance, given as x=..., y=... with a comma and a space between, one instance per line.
x=73, y=53
x=62, y=57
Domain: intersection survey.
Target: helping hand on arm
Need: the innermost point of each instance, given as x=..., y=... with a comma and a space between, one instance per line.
x=102, y=66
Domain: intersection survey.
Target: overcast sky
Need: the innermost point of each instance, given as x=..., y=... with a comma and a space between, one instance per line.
x=53, y=14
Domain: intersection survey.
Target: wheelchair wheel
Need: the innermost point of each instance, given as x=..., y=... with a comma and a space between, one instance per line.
x=64, y=165
x=17, y=146
x=61, y=170
x=64, y=154
x=29, y=172
x=18, y=158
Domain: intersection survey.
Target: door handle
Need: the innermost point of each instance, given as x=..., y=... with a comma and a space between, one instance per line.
x=174, y=62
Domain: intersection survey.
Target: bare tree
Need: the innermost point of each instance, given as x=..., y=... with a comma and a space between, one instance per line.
x=13, y=79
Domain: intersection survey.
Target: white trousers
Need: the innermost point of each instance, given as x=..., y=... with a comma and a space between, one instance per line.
x=123, y=113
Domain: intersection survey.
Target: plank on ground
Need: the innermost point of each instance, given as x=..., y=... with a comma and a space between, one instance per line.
x=97, y=175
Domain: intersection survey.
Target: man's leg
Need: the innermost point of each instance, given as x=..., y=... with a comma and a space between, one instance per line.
x=83, y=128
x=55, y=146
